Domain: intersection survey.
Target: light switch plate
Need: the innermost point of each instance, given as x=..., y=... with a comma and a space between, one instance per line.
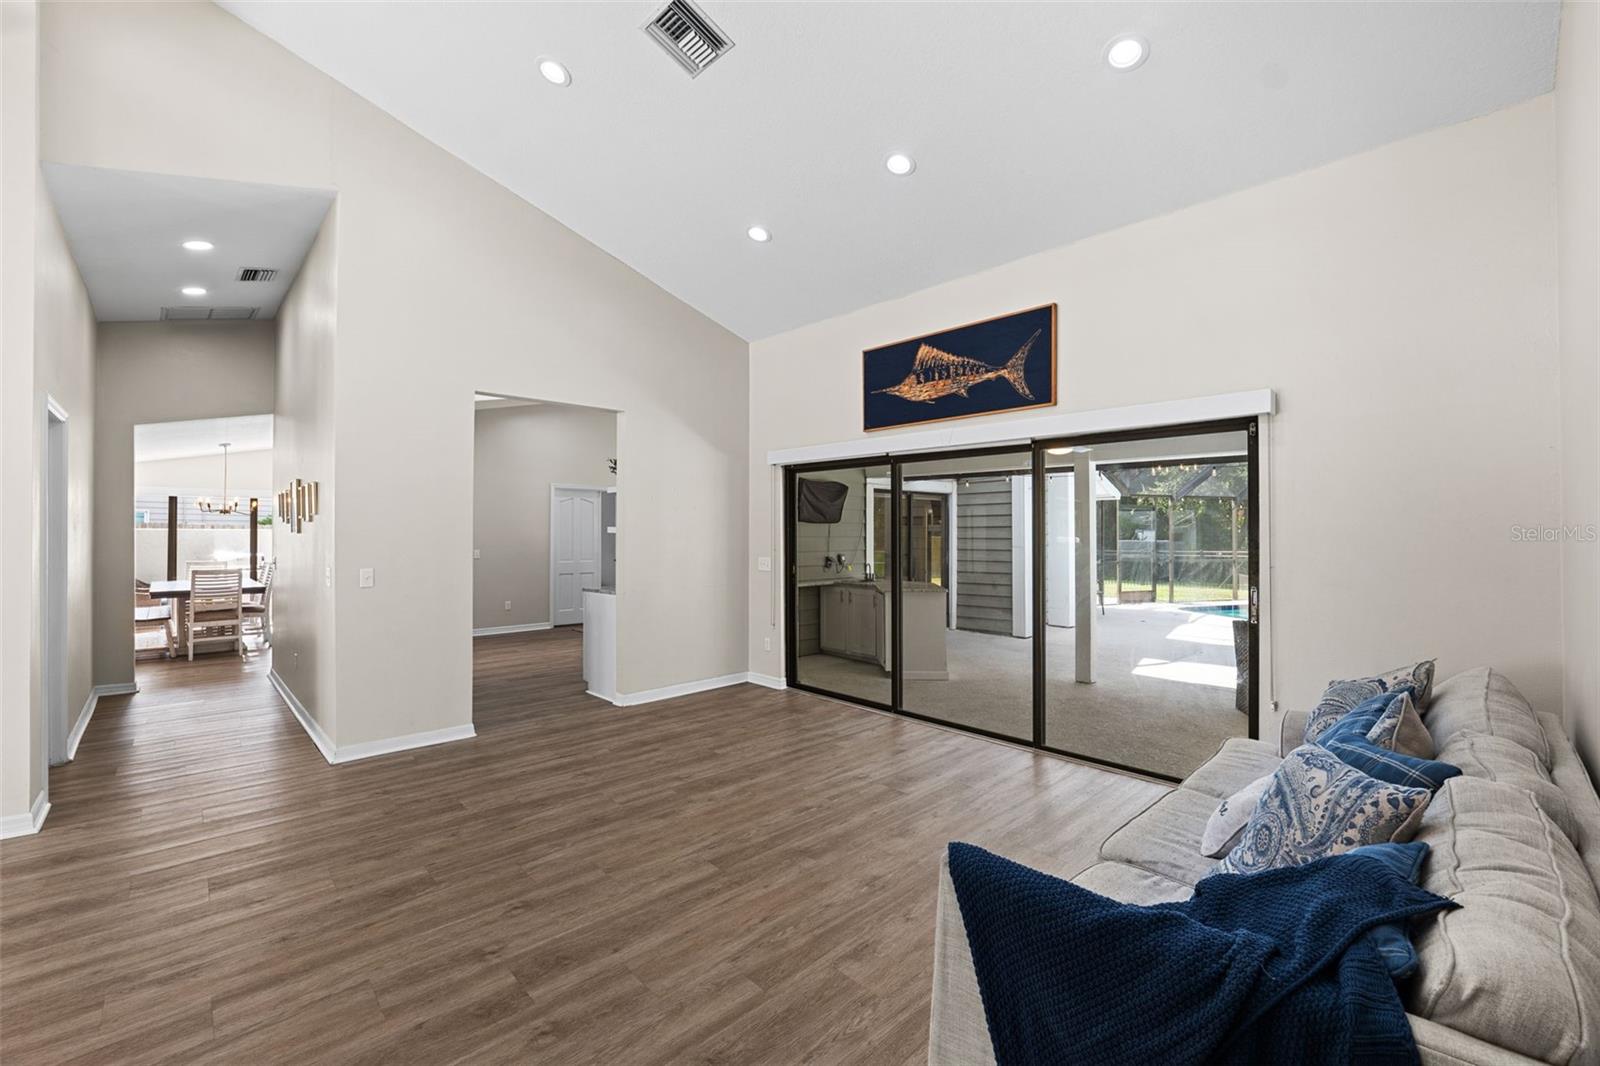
x=763, y=563
x=366, y=577
x=477, y=553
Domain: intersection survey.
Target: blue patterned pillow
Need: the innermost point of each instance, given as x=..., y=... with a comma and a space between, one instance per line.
x=1339, y=700
x=1364, y=717
x=1391, y=941
x=1317, y=806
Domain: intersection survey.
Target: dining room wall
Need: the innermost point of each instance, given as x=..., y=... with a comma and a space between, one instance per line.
x=518, y=453
x=157, y=372
x=447, y=281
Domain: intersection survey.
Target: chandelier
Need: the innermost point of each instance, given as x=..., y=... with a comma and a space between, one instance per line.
x=226, y=506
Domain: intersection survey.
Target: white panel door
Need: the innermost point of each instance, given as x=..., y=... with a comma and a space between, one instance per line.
x=1060, y=555
x=574, y=551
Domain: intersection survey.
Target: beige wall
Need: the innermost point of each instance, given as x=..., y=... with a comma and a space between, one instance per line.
x=447, y=283
x=1400, y=302
x=64, y=360
x=302, y=447
x=1578, y=193
x=46, y=351
x=157, y=372
x=518, y=453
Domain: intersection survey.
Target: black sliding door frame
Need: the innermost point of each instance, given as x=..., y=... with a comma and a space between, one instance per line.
x=1039, y=471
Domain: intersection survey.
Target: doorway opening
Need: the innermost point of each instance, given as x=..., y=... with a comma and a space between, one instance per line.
x=544, y=550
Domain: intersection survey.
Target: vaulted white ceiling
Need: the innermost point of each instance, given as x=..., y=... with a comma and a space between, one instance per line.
x=1024, y=137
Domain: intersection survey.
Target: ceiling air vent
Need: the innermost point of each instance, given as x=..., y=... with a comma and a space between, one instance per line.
x=688, y=36
x=257, y=274
x=195, y=314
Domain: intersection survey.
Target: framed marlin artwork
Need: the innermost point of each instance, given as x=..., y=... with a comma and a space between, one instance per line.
x=984, y=368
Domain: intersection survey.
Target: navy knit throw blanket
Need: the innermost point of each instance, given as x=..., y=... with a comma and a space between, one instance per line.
x=1269, y=967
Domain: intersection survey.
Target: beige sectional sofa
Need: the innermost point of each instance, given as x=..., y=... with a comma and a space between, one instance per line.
x=1513, y=976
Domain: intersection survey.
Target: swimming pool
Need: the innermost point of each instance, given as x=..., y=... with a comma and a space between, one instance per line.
x=1226, y=610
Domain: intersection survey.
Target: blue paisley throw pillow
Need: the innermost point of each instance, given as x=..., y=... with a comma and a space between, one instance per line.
x=1340, y=699
x=1318, y=805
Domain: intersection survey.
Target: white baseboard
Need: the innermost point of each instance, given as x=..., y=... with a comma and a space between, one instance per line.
x=370, y=749
x=766, y=680
x=688, y=688
x=21, y=825
x=123, y=688
x=495, y=631
x=303, y=716
x=389, y=745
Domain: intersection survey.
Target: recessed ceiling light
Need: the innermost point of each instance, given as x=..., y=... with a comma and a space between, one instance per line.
x=192, y=290
x=900, y=164
x=1127, y=51
x=554, y=72
x=198, y=246
x=759, y=234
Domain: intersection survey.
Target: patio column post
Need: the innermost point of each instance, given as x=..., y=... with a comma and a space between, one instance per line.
x=1085, y=560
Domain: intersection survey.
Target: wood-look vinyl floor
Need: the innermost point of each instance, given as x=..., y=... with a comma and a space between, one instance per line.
x=740, y=876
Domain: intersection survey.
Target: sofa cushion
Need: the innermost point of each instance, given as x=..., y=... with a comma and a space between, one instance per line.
x=1570, y=776
x=1130, y=884
x=1165, y=838
x=1519, y=964
x=1498, y=759
x=1482, y=701
x=1317, y=806
x=1237, y=763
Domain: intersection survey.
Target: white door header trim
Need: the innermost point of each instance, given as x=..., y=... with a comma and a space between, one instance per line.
x=968, y=434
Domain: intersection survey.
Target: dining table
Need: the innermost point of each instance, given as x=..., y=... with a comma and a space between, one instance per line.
x=177, y=592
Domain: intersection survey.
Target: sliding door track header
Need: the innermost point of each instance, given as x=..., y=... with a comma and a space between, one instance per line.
x=1021, y=432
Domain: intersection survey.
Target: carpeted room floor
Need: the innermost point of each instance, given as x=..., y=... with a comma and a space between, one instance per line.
x=1162, y=700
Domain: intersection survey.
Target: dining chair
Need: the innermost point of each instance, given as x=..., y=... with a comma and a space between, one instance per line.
x=151, y=614
x=258, y=607
x=215, y=609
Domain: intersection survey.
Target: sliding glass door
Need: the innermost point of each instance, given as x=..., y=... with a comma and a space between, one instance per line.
x=1093, y=596
x=1148, y=570
x=839, y=566
x=965, y=591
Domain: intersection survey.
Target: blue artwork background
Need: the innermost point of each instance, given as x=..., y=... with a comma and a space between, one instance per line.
x=992, y=343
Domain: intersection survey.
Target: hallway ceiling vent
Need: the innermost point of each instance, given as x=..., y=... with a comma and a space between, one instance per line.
x=257, y=274
x=197, y=314
x=688, y=36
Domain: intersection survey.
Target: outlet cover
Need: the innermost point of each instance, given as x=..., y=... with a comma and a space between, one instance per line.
x=366, y=577
x=508, y=605
x=763, y=563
